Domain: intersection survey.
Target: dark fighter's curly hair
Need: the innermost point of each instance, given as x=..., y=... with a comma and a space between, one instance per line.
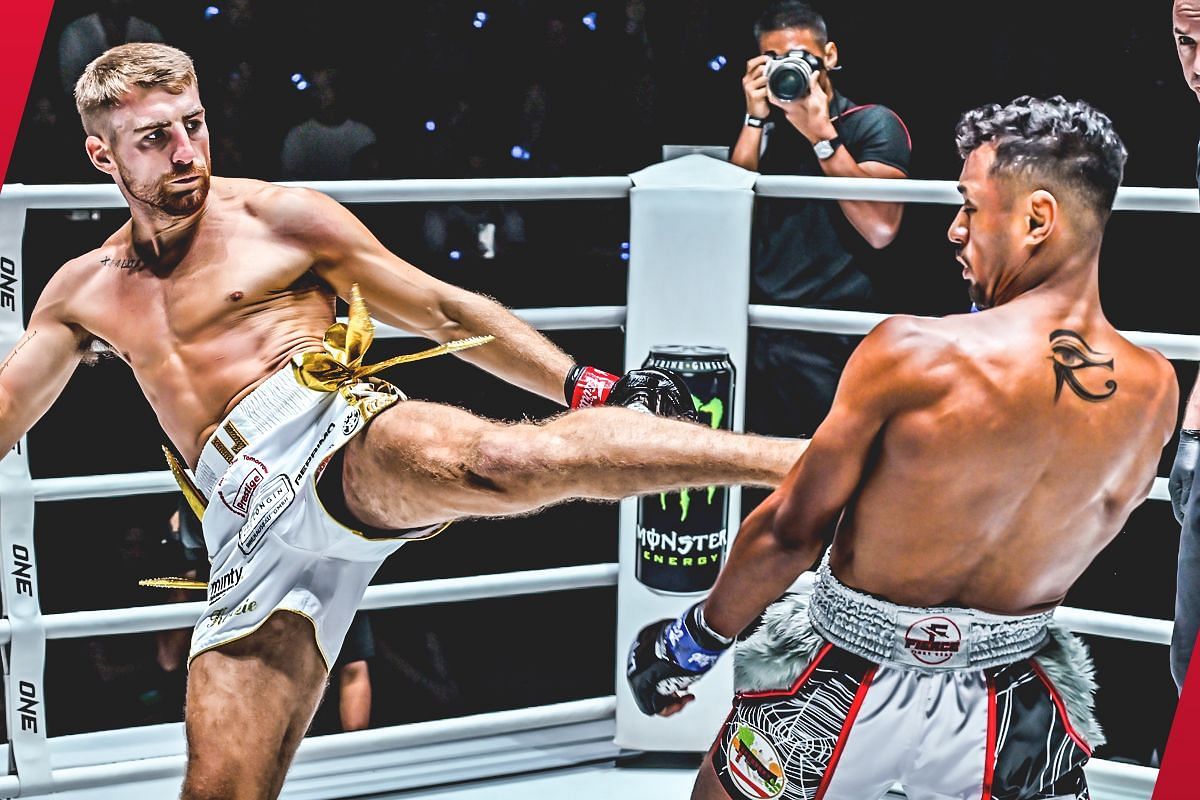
x=1056, y=143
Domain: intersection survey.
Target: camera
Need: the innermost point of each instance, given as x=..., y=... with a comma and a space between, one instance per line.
x=789, y=75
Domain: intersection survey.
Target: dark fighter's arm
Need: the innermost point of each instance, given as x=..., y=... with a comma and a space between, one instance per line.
x=783, y=536
x=345, y=252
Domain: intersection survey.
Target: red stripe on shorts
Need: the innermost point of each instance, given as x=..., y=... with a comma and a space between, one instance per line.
x=859, y=697
x=989, y=754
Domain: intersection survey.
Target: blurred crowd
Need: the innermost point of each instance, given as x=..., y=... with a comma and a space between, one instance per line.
x=318, y=90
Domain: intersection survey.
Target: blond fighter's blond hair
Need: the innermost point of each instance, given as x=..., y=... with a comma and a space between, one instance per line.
x=113, y=74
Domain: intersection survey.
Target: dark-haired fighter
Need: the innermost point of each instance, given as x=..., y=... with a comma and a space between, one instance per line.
x=972, y=467
x=219, y=294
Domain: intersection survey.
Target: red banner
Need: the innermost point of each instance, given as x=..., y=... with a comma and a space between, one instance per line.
x=22, y=26
x=1177, y=777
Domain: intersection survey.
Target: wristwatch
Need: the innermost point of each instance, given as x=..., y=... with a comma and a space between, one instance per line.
x=755, y=122
x=827, y=148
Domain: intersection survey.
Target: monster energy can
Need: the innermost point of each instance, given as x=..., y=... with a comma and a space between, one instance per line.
x=681, y=536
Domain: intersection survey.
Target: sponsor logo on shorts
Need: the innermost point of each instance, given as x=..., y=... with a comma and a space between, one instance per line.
x=223, y=615
x=933, y=640
x=351, y=423
x=219, y=586
x=271, y=501
x=320, y=470
x=238, y=500
x=375, y=402
x=754, y=764
x=313, y=454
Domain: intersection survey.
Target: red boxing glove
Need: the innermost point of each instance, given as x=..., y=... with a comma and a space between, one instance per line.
x=586, y=387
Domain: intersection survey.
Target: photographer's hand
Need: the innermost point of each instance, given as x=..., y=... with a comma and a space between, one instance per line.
x=809, y=114
x=876, y=222
x=754, y=84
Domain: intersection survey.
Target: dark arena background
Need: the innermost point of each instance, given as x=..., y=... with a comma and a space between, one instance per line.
x=526, y=88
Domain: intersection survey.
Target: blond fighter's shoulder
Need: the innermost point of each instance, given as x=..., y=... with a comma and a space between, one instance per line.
x=75, y=284
x=95, y=265
x=282, y=206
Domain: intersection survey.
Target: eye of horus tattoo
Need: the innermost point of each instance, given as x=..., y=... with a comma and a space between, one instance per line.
x=1071, y=355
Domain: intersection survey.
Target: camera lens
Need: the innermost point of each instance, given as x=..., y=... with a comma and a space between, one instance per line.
x=788, y=82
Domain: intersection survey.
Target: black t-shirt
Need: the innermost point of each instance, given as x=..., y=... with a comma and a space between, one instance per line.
x=803, y=251
x=359, y=644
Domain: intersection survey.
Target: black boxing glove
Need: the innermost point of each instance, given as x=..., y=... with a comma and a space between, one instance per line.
x=669, y=656
x=587, y=386
x=655, y=391
x=1183, y=472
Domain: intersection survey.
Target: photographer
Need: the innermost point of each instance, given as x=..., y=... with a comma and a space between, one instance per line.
x=804, y=250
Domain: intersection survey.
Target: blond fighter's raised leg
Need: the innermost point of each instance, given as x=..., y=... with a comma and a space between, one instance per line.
x=422, y=463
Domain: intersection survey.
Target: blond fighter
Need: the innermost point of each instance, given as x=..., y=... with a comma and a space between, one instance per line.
x=219, y=294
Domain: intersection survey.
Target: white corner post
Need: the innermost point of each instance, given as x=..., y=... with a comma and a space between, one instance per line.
x=25, y=655
x=689, y=284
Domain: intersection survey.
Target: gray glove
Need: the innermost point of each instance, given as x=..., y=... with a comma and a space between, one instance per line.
x=1179, y=485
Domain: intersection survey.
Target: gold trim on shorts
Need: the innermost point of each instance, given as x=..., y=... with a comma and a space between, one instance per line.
x=263, y=621
x=321, y=505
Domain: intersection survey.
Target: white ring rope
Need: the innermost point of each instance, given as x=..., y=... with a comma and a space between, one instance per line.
x=450, y=190
x=1129, y=198
x=145, y=619
x=1176, y=346
x=567, y=318
x=393, y=741
x=106, y=195
x=87, y=487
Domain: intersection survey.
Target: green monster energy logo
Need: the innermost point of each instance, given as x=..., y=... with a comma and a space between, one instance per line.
x=715, y=409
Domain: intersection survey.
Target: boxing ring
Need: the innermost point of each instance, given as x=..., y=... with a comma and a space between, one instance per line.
x=566, y=747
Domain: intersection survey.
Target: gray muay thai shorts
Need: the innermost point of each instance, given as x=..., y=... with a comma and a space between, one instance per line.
x=843, y=695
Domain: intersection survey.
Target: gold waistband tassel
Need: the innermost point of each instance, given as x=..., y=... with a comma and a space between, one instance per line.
x=173, y=583
x=346, y=344
x=195, y=500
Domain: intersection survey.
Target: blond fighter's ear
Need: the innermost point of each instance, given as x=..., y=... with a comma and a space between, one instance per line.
x=99, y=154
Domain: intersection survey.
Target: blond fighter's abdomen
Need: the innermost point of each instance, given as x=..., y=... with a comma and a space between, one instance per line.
x=192, y=383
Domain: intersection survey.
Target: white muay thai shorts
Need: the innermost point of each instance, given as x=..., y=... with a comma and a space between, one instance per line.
x=273, y=544
x=844, y=695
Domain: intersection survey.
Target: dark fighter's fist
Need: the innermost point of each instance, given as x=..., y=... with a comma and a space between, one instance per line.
x=667, y=657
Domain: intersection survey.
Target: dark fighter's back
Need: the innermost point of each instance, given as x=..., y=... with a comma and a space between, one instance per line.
x=1020, y=441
